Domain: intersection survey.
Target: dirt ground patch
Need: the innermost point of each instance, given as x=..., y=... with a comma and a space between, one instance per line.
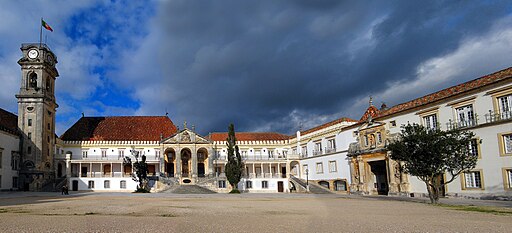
x=236, y=213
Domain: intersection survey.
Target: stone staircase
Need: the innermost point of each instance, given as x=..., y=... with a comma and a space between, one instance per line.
x=313, y=187
x=189, y=189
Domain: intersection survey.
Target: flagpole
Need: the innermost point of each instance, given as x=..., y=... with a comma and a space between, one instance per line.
x=40, y=32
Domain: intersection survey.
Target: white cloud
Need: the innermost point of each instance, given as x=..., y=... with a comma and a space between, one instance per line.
x=474, y=57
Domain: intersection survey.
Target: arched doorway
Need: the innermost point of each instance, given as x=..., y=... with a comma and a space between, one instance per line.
x=340, y=185
x=325, y=184
x=202, y=158
x=185, y=162
x=170, y=162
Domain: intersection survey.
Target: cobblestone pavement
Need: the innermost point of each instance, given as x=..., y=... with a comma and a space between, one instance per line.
x=127, y=212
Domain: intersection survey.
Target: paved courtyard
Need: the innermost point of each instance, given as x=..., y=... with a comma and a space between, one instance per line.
x=126, y=212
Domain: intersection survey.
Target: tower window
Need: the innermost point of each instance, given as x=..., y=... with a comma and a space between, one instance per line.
x=29, y=122
x=33, y=80
x=29, y=150
x=29, y=135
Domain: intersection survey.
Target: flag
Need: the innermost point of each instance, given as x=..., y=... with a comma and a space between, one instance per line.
x=45, y=25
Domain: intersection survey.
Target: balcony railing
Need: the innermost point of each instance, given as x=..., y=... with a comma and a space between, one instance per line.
x=330, y=150
x=451, y=125
x=115, y=157
x=494, y=116
x=317, y=152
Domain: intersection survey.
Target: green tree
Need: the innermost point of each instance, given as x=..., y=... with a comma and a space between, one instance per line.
x=430, y=153
x=141, y=171
x=234, y=167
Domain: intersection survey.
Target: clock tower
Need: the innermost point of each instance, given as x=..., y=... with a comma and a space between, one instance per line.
x=36, y=115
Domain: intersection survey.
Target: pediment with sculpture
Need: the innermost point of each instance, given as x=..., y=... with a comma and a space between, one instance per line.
x=186, y=136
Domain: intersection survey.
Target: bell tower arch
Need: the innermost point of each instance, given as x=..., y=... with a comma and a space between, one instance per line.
x=36, y=115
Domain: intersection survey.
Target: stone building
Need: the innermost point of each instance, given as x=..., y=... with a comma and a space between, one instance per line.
x=343, y=155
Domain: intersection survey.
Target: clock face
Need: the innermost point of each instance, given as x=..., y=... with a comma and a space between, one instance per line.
x=33, y=53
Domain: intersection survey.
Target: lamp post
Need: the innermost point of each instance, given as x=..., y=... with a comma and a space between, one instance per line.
x=307, y=180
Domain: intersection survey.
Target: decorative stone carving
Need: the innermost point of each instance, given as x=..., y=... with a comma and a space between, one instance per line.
x=185, y=137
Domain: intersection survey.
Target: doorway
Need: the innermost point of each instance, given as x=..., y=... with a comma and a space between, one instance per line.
x=280, y=186
x=74, y=185
x=200, y=169
x=378, y=168
x=170, y=169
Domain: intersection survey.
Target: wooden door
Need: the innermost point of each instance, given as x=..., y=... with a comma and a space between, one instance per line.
x=280, y=186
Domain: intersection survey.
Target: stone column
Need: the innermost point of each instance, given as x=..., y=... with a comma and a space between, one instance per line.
x=177, y=172
x=194, y=164
x=210, y=162
x=68, y=165
x=362, y=178
x=390, y=165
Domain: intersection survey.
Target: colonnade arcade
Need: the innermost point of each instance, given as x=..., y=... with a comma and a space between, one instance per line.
x=188, y=163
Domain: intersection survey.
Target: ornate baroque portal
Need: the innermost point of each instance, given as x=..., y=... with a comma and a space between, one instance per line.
x=188, y=157
x=372, y=171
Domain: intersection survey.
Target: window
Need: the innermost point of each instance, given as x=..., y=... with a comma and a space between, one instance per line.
x=29, y=135
x=304, y=150
x=473, y=147
x=379, y=138
x=294, y=150
x=103, y=153
x=508, y=178
x=318, y=148
x=106, y=184
x=505, y=106
x=14, y=162
x=248, y=184
x=392, y=123
x=121, y=152
x=366, y=141
x=48, y=126
x=222, y=184
x=29, y=122
x=157, y=153
x=507, y=143
x=430, y=121
x=305, y=169
x=29, y=150
x=84, y=154
x=1, y=155
x=264, y=184
x=465, y=116
x=122, y=184
x=332, y=166
x=271, y=153
x=331, y=146
x=91, y=184
x=472, y=180
x=319, y=168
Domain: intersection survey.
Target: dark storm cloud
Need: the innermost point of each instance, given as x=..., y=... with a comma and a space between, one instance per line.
x=262, y=61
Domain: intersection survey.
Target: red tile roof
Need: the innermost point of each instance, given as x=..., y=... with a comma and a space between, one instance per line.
x=8, y=122
x=247, y=136
x=449, y=92
x=124, y=128
x=331, y=123
x=371, y=111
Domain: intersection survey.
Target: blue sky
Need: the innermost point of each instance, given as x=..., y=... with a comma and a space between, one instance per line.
x=264, y=65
